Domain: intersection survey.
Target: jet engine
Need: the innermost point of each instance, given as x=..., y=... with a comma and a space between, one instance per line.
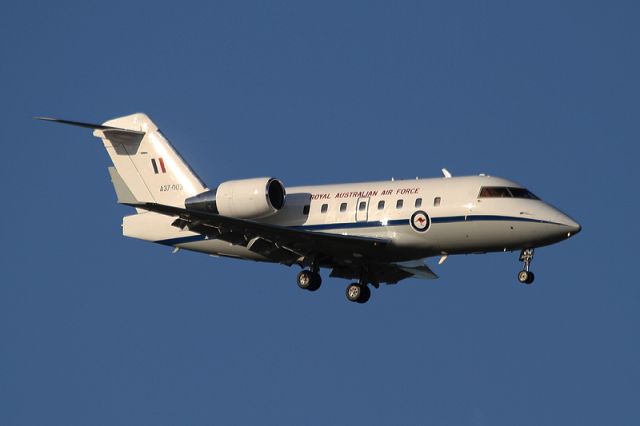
x=242, y=199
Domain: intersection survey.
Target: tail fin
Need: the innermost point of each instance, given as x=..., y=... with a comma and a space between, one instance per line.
x=145, y=161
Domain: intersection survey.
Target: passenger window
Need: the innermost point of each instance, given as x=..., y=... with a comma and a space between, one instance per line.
x=362, y=206
x=305, y=210
x=399, y=204
x=343, y=207
x=436, y=201
x=381, y=205
x=418, y=202
x=324, y=208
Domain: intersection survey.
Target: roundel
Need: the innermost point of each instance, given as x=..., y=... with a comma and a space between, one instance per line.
x=420, y=221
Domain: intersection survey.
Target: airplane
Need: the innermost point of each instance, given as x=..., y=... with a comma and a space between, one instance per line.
x=371, y=232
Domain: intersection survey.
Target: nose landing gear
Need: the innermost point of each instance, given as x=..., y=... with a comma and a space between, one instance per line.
x=526, y=276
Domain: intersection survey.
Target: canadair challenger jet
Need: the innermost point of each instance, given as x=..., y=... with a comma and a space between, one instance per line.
x=370, y=232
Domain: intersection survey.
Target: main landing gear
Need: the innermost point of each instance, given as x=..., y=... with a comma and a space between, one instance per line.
x=359, y=293
x=309, y=280
x=526, y=276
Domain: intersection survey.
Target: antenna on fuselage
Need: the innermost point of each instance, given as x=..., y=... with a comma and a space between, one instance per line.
x=446, y=173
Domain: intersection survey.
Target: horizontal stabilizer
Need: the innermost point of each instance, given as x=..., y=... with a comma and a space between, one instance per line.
x=148, y=168
x=89, y=125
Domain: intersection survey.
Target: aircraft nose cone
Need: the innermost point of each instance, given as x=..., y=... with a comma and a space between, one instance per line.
x=574, y=227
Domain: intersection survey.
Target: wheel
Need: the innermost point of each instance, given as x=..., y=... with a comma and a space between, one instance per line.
x=308, y=280
x=354, y=291
x=316, y=281
x=525, y=277
x=305, y=279
x=531, y=278
x=366, y=294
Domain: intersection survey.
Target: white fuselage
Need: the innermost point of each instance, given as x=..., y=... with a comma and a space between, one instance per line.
x=372, y=232
x=459, y=220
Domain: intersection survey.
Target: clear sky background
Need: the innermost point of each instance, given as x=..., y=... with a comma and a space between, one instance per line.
x=98, y=329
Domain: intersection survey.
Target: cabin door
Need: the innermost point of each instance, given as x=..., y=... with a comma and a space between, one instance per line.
x=362, y=210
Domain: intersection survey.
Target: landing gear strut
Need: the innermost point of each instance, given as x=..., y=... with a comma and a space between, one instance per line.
x=526, y=276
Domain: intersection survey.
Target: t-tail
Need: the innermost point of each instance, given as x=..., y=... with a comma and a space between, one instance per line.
x=147, y=169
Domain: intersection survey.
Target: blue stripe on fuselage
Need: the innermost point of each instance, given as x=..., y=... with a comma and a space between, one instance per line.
x=377, y=223
x=351, y=225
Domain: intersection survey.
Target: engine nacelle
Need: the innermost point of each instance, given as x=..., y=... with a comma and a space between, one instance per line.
x=243, y=199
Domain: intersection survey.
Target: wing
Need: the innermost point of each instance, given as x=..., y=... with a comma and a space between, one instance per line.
x=347, y=255
x=389, y=273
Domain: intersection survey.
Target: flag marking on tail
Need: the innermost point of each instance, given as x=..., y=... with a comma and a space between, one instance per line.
x=155, y=165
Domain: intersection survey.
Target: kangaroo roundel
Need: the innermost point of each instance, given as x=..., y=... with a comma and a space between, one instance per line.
x=420, y=221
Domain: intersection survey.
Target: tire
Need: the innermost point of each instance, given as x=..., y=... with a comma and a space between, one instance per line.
x=316, y=281
x=531, y=278
x=523, y=276
x=305, y=279
x=366, y=294
x=354, y=292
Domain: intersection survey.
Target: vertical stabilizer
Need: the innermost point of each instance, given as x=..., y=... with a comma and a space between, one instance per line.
x=146, y=162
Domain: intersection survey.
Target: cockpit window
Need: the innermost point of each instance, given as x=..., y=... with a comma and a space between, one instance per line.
x=504, y=192
x=522, y=193
x=494, y=192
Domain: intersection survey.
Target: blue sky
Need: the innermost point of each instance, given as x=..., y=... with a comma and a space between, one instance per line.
x=102, y=330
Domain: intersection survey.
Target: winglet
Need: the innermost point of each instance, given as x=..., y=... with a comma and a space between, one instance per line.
x=446, y=173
